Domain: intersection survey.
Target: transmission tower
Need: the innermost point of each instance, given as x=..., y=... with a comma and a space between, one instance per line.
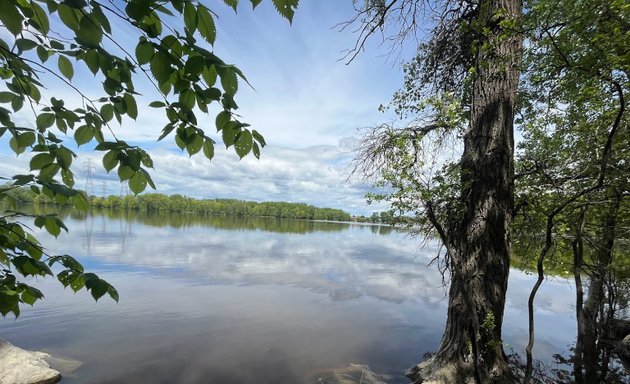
x=104, y=189
x=124, y=189
x=89, y=183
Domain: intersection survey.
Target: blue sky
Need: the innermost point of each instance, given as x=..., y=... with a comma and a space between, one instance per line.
x=306, y=101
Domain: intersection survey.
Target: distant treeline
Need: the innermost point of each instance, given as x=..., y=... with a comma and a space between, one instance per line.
x=156, y=202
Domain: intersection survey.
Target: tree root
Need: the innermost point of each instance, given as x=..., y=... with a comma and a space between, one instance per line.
x=432, y=371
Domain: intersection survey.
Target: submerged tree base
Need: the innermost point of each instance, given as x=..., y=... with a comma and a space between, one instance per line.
x=437, y=371
x=433, y=371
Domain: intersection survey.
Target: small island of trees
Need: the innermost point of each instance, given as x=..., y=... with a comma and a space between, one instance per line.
x=157, y=202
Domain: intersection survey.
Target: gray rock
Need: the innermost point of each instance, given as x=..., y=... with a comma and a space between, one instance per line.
x=354, y=374
x=19, y=366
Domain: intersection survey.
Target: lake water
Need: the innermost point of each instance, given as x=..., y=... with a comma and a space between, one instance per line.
x=227, y=300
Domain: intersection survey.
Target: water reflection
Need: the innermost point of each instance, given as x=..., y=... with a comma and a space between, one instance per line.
x=238, y=223
x=245, y=300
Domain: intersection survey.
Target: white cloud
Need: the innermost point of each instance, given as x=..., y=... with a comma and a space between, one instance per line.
x=306, y=103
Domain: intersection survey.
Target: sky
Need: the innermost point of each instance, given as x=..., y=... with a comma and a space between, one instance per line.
x=306, y=100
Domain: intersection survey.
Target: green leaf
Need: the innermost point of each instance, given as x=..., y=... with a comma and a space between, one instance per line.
x=9, y=303
x=28, y=266
x=15, y=147
x=243, y=143
x=40, y=18
x=41, y=160
x=256, y=150
x=84, y=134
x=208, y=149
x=194, y=65
x=107, y=112
x=113, y=293
x=144, y=52
x=286, y=8
x=6, y=97
x=259, y=138
x=67, y=177
x=64, y=157
x=49, y=171
x=25, y=44
x=30, y=295
x=134, y=157
x=45, y=120
x=229, y=82
x=11, y=17
x=42, y=53
x=190, y=17
x=125, y=172
x=205, y=24
x=228, y=133
x=100, y=16
x=4, y=259
x=195, y=145
x=132, y=107
x=99, y=289
x=187, y=99
x=56, y=45
x=160, y=67
x=222, y=119
x=17, y=103
x=52, y=227
x=77, y=283
x=147, y=161
x=65, y=67
x=80, y=201
x=138, y=183
x=168, y=128
x=148, y=177
x=90, y=32
x=110, y=160
x=26, y=139
x=209, y=75
x=255, y=3
x=231, y=3
x=68, y=16
x=137, y=10
x=92, y=59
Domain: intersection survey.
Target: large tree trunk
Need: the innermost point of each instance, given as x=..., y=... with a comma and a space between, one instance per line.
x=479, y=244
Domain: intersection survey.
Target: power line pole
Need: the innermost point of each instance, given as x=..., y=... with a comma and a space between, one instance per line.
x=124, y=189
x=104, y=189
x=89, y=182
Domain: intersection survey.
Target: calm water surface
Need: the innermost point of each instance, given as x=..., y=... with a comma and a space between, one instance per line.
x=225, y=300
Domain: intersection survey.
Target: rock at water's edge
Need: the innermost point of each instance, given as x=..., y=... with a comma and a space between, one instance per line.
x=19, y=366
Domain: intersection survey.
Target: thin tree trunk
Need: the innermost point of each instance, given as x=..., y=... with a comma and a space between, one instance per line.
x=480, y=244
x=578, y=261
x=596, y=323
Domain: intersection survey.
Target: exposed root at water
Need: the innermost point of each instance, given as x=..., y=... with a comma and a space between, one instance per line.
x=431, y=371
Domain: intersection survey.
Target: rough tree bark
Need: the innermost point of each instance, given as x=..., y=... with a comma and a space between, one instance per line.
x=479, y=243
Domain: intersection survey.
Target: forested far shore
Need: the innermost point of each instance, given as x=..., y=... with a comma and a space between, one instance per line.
x=157, y=202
